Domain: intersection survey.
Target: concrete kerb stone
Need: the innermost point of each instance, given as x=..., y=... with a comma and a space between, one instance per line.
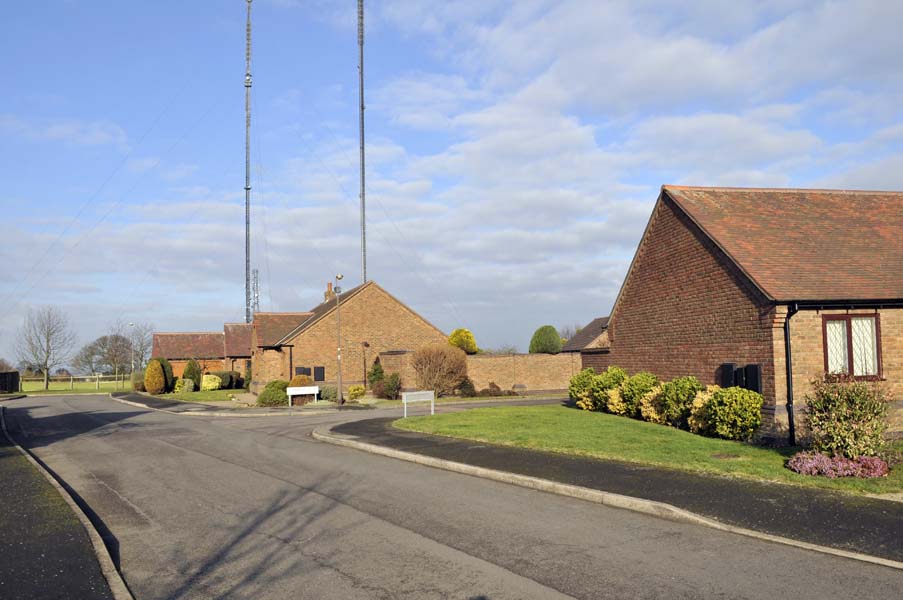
x=117, y=585
x=639, y=505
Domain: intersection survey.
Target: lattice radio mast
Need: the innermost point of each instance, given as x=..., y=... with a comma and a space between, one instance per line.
x=360, y=43
x=248, y=168
x=255, y=303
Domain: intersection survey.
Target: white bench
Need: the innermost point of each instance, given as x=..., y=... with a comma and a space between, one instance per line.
x=308, y=390
x=408, y=397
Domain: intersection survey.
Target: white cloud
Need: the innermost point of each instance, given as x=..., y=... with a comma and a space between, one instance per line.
x=71, y=131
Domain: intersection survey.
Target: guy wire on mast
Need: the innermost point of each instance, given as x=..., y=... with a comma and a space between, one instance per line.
x=248, y=168
x=360, y=43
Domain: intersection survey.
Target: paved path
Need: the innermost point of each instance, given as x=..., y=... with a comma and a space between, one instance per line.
x=844, y=521
x=44, y=549
x=216, y=507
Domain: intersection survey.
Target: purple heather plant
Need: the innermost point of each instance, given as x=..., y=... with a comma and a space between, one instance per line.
x=816, y=463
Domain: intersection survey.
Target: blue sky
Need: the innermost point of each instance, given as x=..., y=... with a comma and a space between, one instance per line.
x=514, y=149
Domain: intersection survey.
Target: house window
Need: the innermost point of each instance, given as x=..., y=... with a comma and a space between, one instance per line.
x=319, y=373
x=852, y=345
x=302, y=371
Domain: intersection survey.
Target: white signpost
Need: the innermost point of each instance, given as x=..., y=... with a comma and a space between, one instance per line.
x=310, y=390
x=429, y=396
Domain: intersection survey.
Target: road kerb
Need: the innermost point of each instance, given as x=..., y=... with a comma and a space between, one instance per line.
x=640, y=505
x=117, y=585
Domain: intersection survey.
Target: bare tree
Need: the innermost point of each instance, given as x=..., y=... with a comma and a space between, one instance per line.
x=6, y=366
x=87, y=360
x=566, y=332
x=45, y=340
x=141, y=337
x=115, y=350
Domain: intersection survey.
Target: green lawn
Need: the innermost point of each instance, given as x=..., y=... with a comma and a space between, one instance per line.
x=457, y=399
x=209, y=396
x=77, y=387
x=599, y=435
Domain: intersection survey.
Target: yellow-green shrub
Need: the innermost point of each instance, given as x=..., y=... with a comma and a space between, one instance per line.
x=301, y=381
x=154, y=379
x=731, y=413
x=601, y=384
x=356, y=392
x=210, y=383
x=614, y=403
x=651, y=406
x=579, y=388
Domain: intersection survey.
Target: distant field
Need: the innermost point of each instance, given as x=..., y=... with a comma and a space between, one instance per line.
x=77, y=386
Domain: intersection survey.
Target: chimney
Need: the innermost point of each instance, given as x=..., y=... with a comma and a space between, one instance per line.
x=328, y=294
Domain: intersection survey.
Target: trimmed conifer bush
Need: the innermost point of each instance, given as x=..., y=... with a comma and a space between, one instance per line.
x=154, y=378
x=167, y=374
x=193, y=371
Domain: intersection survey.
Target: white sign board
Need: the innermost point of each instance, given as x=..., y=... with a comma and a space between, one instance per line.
x=428, y=396
x=308, y=390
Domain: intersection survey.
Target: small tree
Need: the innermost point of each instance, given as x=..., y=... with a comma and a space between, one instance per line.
x=193, y=371
x=545, y=340
x=440, y=367
x=154, y=379
x=45, y=340
x=376, y=373
x=169, y=380
x=463, y=339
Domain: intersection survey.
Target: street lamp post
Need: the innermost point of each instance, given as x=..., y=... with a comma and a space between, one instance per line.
x=364, y=345
x=132, y=348
x=338, y=320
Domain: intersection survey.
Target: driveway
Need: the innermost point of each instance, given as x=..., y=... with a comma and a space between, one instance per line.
x=206, y=507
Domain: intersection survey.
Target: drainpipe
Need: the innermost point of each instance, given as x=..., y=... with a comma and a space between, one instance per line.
x=792, y=309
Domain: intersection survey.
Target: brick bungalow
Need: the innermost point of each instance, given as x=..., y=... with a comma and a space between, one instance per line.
x=237, y=347
x=728, y=276
x=591, y=342
x=179, y=348
x=372, y=321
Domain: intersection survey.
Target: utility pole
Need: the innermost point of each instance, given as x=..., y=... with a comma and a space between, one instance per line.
x=360, y=68
x=248, y=168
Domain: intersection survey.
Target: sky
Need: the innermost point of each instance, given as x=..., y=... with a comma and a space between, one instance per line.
x=514, y=149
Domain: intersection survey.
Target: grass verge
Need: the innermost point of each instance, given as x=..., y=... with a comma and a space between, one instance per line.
x=459, y=400
x=208, y=396
x=598, y=435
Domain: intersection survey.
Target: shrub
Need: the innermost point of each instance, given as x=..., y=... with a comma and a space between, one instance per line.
x=650, y=406
x=329, y=393
x=602, y=383
x=273, y=394
x=177, y=388
x=225, y=378
x=614, y=403
x=154, y=379
x=675, y=399
x=188, y=385
x=193, y=371
x=545, y=340
x=466, y=388
x=579, y=388
x=379, y=389
x=237, y=383
x=634, y=388
x=210, y=383
x=440, y=368
x=731, y=413
x=816, y=463
x=392, y=386
x=138, y=381
x=847, y=418
x=356, y=392
x=167, y=374
x=300, y=381
x=492, y=390
x=247, y=377
x=375, y=373
x=463, y=339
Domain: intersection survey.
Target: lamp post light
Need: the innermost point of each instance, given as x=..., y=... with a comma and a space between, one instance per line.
x=338, y=326
x=132, y=348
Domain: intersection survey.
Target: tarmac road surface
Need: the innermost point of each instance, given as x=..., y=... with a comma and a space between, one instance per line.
x=207, y=507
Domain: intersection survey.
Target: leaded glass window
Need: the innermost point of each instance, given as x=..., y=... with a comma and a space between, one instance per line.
x=852, y=345
x=836, y=334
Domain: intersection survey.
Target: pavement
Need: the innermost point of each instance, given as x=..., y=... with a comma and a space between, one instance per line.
x=45, y=552
x=842, y=521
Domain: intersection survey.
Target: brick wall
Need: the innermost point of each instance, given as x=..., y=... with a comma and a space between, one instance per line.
x=809, y=359
x=684, y=309
x=595, y=359
x=532, y=373
x=266, y=365
x=207, y=365
x=371, y=315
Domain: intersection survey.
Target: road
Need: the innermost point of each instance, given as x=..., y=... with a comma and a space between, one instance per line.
x=206, y=507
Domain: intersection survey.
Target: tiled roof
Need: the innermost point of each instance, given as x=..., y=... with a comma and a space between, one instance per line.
x=805, y=244
x=585, y=336
x=237, y=339
x=187, y=345
x=271, y=327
